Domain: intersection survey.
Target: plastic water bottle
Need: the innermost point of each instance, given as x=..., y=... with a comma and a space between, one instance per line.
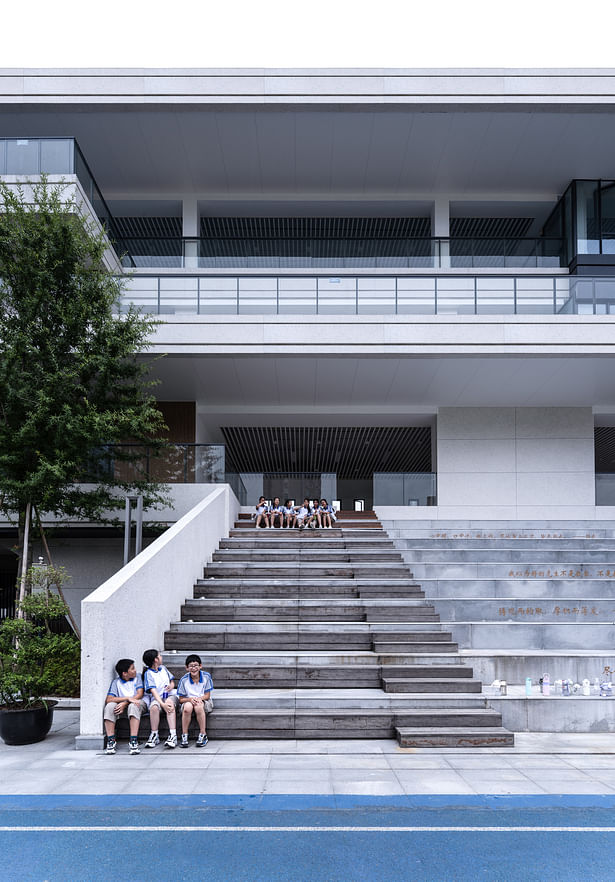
x=586, y=686
x=528, y=686
x=165, y=695
x=546, y=684
x=596, y=685
x=565, y=687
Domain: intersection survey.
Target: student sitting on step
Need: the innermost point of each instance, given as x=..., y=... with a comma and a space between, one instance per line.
x=276, y=513
x=261, y=512
x=124, y=697
x=290, y=514
x=160, y=695
x=194, y=692
x=313, y=520
x=303, y=513
x=327, y=514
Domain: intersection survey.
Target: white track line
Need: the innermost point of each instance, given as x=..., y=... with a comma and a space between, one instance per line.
x=243, y=829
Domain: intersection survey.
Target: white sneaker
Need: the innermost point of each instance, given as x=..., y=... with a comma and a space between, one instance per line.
x=202, y=740
x=153, y=740
x=171, y=741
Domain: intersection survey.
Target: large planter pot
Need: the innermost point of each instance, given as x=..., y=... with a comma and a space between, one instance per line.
x=26, y=726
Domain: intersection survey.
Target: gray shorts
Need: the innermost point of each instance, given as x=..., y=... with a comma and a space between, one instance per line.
x=153, y=703
x=132, y=710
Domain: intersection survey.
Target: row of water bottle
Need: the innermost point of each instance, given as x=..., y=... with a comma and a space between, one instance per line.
x=602, y=686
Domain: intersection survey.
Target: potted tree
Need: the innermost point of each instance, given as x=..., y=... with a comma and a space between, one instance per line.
x=35, y=662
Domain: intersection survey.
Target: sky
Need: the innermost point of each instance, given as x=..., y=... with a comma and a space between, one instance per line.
x=317, y=33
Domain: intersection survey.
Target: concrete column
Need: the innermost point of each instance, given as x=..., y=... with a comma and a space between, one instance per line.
x=528, y=463
x=190, y=227
x=440, y=226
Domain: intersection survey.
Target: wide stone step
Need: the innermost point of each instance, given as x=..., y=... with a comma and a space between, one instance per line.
x=299, y=555
x=307, y=610
x=488, y=736
x=522, y=589
x=514, y=634
x=307, y=588
x=542, y=610
x=508, y=570
x=532, y=558
x=306, y=540
x=280, y=639
x=516, y=543
x=262, y=675
x=430, y=684
x=400, y=647
x=353, y=531
x=292, y=570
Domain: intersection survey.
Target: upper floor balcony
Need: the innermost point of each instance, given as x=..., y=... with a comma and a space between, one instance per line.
x=349, y=252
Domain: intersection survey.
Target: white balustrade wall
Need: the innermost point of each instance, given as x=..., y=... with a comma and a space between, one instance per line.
x=130, y=612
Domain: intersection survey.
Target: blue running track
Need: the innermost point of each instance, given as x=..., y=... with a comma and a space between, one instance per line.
x=307, y=838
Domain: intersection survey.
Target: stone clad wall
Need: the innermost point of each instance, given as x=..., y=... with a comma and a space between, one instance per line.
x=515, y=462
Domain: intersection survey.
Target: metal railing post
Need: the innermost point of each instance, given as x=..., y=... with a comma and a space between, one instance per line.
x=127, y=526
x=139, y=519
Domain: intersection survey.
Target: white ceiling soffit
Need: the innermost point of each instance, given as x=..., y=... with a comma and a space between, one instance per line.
x=372, y=387
x=328, y=154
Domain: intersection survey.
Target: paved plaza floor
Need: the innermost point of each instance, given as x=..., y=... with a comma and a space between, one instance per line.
x=538, y=764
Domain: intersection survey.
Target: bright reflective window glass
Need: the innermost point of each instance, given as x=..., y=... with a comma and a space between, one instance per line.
x=416, y=296
x=376, y=296
x=22, y=157
x=258, y=296
x=57, y=156
x=337, y=295
x=218, y=296
x=607, y=219
x=298, y=296
x=588, y=221
x=534, y=296
x=178, y=295
x=455, y=296
x=495, y=296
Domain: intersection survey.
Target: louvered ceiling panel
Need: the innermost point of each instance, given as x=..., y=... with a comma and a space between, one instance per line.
x=145, y=227
x=314, y=227
x=350, y=452
x=485, y=227
x=604, y=443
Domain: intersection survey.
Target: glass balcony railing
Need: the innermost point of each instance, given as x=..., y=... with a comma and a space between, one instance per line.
x=175, y=464
x=405, y=488
x=28, y=157
x=416, y=253
x=605, y=488
x=370, y=295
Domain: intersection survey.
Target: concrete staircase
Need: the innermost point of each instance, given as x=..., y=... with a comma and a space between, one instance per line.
x=522, y=599
x=326, y=634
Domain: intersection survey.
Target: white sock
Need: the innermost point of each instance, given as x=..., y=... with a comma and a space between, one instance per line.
x=172, y=731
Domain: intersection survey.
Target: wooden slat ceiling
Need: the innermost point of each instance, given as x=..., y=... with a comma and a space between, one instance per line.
x=349, y=451
x=604, y=444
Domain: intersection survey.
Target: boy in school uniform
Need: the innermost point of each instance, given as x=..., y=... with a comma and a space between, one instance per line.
x=194, y=692
x=125, y=696
x=160, y=695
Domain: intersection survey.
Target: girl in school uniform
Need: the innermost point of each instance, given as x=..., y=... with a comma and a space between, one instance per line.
x=276, y=513
x=261, y=512
x=290, y=514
